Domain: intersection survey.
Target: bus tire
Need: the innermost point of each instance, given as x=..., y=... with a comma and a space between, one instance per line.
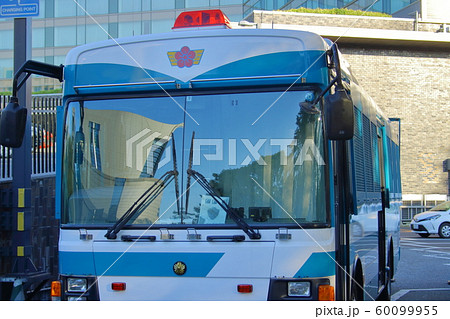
x=357, y=286
x=386, y=292
x=391, y=261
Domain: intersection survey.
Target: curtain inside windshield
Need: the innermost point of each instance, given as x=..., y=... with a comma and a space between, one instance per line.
x=257, y=151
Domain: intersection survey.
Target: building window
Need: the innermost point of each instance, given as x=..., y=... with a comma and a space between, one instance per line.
x=113, y=30
x=38, y=38
x=7, y=39
x=160, y=26
x=113, y=6
x=163, y=5
x=197, y=3
x=146, y=27
x=95, y=33
x=65, y=8
x=81, y=5
x=179, y=4
x=59, y=59
x=128, y=29
x=41, y=9
x=146, y=5
x=49, y=37
x=130, y=6
x=233, y=2
x=81, y=34
x=49, y=8
x=50, y=59
x=97, y=7
x=6, y=68
x=65, y=36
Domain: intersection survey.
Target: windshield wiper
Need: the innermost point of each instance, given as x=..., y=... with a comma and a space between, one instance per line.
x=175, y=169
x=188, y=182
x=142, y=202
x=232, y=212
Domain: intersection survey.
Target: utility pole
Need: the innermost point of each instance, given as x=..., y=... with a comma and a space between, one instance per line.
x=21, y=170
x=446, y=166
x=22, y=280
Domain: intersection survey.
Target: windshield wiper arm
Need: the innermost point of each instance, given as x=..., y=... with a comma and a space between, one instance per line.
x=175, y=169
x=142, y=202
x=232, y=212
x=188, y=182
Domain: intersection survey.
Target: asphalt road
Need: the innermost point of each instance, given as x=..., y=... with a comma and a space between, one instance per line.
x=424, y=269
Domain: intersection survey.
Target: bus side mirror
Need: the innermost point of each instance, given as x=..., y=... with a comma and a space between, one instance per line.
x=338, y=113
x=12, y=124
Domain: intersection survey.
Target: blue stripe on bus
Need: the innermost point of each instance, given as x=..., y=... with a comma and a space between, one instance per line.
x=76, y=263
x=274, y=64
x=136, y=264
x=318, y=265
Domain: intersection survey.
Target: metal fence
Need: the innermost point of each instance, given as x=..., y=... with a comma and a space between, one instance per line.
x=43, y=137
x=414, y=204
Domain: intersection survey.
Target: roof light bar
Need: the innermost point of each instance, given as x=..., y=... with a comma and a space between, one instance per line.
x=203, y=18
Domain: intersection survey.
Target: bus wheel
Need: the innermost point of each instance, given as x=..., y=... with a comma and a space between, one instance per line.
x=391, y=262
x=386, y=293
x=357, y=290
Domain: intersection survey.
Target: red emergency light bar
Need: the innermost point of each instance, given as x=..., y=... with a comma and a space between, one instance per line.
x=204, y=18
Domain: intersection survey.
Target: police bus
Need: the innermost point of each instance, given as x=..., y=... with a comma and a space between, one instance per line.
x=212, y=163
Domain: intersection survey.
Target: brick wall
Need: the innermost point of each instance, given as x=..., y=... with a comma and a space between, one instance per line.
x=278, y=17
x=412, y=84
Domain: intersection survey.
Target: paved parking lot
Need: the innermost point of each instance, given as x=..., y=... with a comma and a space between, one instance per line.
x=424, y=269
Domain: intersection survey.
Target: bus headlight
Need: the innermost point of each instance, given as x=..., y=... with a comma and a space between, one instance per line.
x=76, y=284
x=299, y=289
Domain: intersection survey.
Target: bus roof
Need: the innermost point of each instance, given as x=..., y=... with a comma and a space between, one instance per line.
x=185, y=59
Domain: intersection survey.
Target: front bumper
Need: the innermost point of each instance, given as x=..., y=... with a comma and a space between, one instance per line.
x=425, y=227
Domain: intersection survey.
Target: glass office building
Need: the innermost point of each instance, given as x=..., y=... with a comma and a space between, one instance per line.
x=64, y=24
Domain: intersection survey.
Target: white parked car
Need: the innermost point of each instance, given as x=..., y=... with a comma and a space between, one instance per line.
x=434, y=221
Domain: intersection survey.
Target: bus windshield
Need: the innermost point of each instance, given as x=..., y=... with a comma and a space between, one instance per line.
x=260, y=153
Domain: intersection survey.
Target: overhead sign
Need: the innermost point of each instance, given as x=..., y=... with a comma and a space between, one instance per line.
x=19, y=8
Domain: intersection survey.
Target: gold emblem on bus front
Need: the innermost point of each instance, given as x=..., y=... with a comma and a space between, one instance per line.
x=179, y=268
x=185, y=57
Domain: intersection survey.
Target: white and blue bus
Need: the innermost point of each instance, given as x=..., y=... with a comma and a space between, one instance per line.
x=212, y=163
